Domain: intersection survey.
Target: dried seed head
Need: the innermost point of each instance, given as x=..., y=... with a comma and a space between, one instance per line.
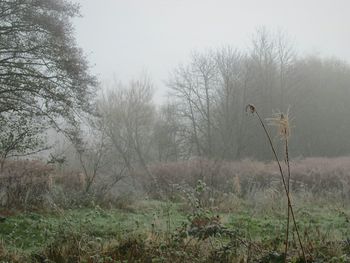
x=251, y=108
x=282, y=122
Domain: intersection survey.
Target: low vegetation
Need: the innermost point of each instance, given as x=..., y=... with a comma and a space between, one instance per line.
x=193, y=220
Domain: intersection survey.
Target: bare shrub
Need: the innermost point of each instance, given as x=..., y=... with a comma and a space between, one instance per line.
x=320, y=177
x=70, y=180
x=24, y=184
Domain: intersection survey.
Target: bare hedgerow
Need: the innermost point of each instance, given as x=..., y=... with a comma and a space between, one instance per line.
x=24, y=184
x=319, y=177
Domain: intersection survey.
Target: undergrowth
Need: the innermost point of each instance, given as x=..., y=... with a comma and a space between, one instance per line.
x=192, y=230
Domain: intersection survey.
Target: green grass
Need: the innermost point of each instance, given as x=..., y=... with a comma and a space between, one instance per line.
x=334, y=224
x=30, y=233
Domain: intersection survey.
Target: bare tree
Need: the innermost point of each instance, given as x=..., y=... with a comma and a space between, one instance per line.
x=169, y=140
x=44, y=76
x=286, y=58
x=128, y=114
x=194, y=86
x=231, y=92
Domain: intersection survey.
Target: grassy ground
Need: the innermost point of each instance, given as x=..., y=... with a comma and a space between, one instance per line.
x=29, y=232
x=153, y=228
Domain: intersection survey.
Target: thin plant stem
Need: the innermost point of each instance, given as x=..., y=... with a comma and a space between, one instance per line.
x=288, y=187
x=283, y=181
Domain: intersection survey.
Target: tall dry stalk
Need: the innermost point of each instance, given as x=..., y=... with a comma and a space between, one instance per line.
x=284, y=129
x=283, y=126
x=288, y=186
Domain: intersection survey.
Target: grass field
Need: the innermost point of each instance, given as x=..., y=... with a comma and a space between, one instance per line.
x=154, y=231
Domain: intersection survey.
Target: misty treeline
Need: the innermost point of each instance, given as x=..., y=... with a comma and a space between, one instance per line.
x=204, y=115
x=46, y=86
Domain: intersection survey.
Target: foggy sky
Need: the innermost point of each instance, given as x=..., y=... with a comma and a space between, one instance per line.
x=123, y=38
